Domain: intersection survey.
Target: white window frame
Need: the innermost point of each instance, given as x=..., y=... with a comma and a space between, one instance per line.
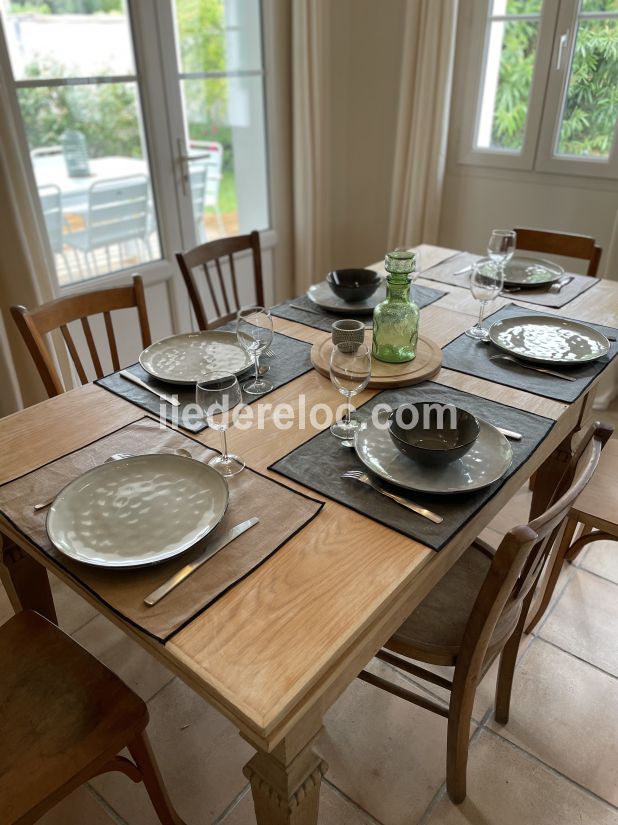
x=551, y=74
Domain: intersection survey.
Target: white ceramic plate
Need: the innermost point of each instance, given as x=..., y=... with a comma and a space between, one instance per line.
x=487, y=460
x=185, y=359
x=524, y=270
x=137, y=511
x=322, y=295
x=546, y=340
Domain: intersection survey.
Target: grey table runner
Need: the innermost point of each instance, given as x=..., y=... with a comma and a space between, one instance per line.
x=319, y=462
x=473, y=358
x=423, y=295
x=450, y=272
x=292, y=358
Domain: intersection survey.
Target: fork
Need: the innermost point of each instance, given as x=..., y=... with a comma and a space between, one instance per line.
x=559, y=285
x=519, y=363
x=357, y=475
x=269, y=353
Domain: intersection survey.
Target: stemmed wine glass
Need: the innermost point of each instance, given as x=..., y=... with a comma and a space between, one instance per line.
x=501, y=246
x=486, y=284
x=217, y=394
x=254, y=329
x=350, y=370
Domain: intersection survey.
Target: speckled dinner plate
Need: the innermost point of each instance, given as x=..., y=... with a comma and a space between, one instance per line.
x=524, y=270
x=547, y=340
x=186, y=359
x=485, y=462
x=137, y=511
x=322, y=295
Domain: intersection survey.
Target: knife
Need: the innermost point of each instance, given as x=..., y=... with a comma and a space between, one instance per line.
x=171, y=399
x=209, y=552
x=509, y=434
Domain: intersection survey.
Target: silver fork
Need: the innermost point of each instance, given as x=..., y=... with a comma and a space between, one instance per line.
x=357, y=475
x=269, y=353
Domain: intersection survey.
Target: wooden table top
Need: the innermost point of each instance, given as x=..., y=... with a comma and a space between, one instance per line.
x=288, y=639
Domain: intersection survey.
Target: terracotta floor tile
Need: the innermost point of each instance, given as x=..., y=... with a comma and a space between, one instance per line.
x=201, y=756
x=135, y=666
x=508, y=787
x=585, y=620
x=565, y=711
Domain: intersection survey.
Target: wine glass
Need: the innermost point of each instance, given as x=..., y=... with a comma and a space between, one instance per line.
x=350, y=370
x=486, y=284
x=254, y=329
x=217, y=394
x=501, y=246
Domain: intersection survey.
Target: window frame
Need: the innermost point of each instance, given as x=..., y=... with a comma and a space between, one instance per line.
x=548, y=88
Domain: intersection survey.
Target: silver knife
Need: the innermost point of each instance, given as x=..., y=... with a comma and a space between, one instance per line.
x=171, y=399
x=209, y=552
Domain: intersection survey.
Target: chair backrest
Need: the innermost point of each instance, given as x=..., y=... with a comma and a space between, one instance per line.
x=214, y=162
x=75, y=150
x=51, y=206
x=35, y=324
x=118, y=210
x=223, y=286
x=506, y=593
x=563, y=244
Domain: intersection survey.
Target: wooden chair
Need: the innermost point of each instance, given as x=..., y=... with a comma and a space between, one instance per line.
x=208, y=256
x=36, y=323
x=477, y=612
x=565, y=244
x=594, y=516
x=64, y=719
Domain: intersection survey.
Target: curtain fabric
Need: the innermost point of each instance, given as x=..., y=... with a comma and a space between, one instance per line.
x=422, y=130
x=311, y=172
x=25, y=271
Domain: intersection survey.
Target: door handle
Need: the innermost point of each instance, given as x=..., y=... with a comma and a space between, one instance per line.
x=564, y=38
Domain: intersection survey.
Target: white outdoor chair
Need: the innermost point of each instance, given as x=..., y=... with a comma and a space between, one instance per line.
x=118, y=211
x=50, y=197
x=211, y=153
x=198, y=181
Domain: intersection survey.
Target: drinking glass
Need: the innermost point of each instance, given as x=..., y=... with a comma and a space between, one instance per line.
x=350, y=370
x=486, y=284
x=217, y=394
x=501, y=246
x=254, y=328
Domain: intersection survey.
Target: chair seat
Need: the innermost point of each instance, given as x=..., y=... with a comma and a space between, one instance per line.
x=597, y=506
x=434, y=632
x=62, y=713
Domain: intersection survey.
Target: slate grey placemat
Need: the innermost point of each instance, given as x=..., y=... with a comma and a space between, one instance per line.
x=473, y=358
x=422, y=295
x=292, y=358
x=319, y=463
x=450, y=272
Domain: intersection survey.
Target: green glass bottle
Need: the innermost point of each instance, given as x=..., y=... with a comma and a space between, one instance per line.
x=395, y=320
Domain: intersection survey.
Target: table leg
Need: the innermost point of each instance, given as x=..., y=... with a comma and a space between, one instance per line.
x=548, y=475
x=25, y=580
x=286, y=784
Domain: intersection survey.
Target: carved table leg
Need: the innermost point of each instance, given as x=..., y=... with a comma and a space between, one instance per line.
x=286, y=784
x=25, y=580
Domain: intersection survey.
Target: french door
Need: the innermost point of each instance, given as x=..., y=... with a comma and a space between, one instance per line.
x=144, y=129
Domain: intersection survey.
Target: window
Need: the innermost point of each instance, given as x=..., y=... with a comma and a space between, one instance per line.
x=547, y=86
x=144, y=124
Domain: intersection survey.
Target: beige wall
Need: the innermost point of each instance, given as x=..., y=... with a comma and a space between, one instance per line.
x=366, y=45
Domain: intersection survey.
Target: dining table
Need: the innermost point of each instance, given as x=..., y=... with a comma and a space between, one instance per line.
x=275, y=651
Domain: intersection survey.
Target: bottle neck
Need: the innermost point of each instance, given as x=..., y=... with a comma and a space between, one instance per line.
x=398, y=287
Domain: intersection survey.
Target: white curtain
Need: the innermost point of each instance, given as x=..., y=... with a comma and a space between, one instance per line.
x=25, y=270
x=310, y=105
x=422, y=131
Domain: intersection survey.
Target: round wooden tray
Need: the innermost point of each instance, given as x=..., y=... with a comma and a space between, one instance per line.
x=426, y=364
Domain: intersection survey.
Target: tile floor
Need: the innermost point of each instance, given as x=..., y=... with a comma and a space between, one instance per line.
x=555, y=763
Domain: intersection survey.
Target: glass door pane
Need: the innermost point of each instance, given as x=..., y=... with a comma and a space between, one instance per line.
x=218, y=43
x=79, y=96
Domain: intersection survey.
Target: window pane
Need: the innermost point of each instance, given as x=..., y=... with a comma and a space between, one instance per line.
x=516, y=7
x=68, y=38
x=509, y=67
x=225, y=120
x=591, y=105
x=92, y=175
x=599, y=5
x=218, y=35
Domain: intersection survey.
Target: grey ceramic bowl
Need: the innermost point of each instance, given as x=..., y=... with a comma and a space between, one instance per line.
x=353, y=285
x=424, y=433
